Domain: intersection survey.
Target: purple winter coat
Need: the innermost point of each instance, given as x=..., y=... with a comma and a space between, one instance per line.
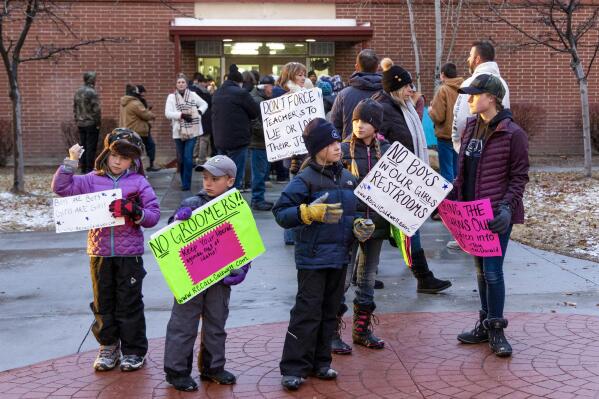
x=502, y=171
x=125, y=240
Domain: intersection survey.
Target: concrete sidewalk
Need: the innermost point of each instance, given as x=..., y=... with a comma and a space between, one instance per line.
x=45, y=288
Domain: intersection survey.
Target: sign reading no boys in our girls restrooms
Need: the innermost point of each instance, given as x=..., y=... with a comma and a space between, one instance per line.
x=284, y=119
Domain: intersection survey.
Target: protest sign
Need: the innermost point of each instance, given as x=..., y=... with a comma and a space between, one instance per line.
x=196, y=253
x=284, y=119
x=86, y=211
x=403, y=189
x=467, y=222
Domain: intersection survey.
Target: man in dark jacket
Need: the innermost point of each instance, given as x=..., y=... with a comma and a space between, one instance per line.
x=362, y=84
x=232, y=111
x=87, y=113
x=260, y=165
x=203, y=147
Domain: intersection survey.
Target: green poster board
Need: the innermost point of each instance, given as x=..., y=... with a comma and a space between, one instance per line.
x=199, y=252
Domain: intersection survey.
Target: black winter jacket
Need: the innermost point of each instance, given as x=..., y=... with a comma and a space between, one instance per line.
x=394, y=126
x=361, y=154
x=232, y=110
x=319, y=245
x=361, y=85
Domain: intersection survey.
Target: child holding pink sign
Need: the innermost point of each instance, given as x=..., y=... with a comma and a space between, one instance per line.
x=116, y=265
x=493, y=164
x=211, y=305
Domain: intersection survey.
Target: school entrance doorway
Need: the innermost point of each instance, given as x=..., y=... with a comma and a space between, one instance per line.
x=268, y=58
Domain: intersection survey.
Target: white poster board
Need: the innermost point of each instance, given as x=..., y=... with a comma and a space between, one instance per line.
x=284, y=119
x=86, y=211
x=403, y=189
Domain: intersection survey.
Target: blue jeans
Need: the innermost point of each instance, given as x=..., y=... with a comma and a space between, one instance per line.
x=415, y=244
x=489, y=275
x=238, y=156
x=366, y=264
x=185, y=159
x=260, y=169
x=448, y=159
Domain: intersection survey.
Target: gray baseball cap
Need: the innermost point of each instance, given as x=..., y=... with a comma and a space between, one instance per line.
x=219, y=165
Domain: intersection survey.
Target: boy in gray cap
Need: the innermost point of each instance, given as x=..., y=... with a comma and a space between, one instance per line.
x=210, y=305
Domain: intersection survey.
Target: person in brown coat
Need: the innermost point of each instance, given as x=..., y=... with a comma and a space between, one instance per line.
x=441, y=113
x=135, y=116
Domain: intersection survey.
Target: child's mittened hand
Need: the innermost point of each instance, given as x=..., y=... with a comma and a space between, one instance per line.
x=125, y=208
x=363, y=229
x=318, y=211
x=237, y=276
x=75, y=152
x=183, y=213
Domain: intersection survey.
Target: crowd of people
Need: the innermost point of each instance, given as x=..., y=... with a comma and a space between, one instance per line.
x=337, y=238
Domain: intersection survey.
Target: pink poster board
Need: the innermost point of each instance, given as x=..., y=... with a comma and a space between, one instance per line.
x=467, y=222
x=207, y=254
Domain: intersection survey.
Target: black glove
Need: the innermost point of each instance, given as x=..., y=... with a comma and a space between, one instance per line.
x=186, y=117
x=502, y=221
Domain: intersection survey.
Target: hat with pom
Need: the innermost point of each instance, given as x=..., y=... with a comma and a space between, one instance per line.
x=234, y=74
x=394, y=76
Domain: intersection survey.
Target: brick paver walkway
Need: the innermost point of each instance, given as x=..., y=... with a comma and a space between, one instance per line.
x=555, y=356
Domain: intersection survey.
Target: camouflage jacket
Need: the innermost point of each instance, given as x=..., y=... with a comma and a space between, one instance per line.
x=86, y=107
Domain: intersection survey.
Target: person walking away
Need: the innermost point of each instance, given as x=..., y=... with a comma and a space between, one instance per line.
x=260, y=165
x=363, y=83
x=232, y=111
x=203, y=148
x=402, y=123
x=184, y=108
x=211, y=305
x=88, y=117
x=493, y=164
x=136, y=116
x=148, y=140
x=116, y=263
x=361, y=151
x=441, y=113
x=319, y=203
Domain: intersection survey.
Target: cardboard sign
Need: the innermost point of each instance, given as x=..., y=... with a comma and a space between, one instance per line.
x=403, y=189
x=467, y=222
x=284, y=119
x=86, y=211
x=199, y=252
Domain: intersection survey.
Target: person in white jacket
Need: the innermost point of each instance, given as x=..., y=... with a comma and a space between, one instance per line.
x=185, y=109
x=481, y=61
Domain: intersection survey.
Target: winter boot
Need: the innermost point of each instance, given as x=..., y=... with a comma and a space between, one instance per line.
x=339, y=347
x=497, y=341
x=362, y=327
x=427, y=283
x=478, y=334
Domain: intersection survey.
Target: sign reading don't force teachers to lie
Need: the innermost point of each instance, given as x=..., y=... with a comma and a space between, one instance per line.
x=86, y=211
x=467, y=222
x=403, y=189
x=284, y=119
x=199, y=252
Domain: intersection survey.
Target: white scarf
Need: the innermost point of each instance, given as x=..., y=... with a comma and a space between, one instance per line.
x=416, y=130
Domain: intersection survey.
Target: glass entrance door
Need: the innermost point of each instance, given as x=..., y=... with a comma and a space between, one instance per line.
x=265, y=65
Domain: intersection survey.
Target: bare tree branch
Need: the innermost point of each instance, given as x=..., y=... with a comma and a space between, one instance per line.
x=45, y=52
x=586, y=75
x=167, y=4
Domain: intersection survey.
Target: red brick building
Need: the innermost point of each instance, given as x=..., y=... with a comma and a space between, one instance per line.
x=326, y=34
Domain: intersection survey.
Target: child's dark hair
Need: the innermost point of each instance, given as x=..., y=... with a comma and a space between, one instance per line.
x=449, y=70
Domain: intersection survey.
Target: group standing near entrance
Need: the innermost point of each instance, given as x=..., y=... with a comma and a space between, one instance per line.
x=337, y=238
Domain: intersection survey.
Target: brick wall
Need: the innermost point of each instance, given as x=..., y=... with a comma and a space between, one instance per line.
x=147, y=58
x=534, y=76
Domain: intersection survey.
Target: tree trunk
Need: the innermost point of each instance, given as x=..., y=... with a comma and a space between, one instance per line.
x=586, y=119
x=17, y=126
x=414, y=43
x=438, y=43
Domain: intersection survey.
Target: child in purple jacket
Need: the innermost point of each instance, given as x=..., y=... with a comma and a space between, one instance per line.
x=116, y=265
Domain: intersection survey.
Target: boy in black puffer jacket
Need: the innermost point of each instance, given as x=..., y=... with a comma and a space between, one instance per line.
x=319, y=204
